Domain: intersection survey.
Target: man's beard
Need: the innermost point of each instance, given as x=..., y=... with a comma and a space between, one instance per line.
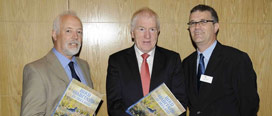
x=71, y=51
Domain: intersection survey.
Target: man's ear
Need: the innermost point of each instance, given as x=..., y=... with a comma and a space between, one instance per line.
x=54, y=35
x=216, y=27
x=132, y=34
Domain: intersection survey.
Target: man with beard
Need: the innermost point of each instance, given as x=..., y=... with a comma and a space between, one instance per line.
x=45, y=80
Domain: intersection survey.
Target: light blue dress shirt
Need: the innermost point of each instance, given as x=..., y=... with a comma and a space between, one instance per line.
x=207, y=54
x=64, y=63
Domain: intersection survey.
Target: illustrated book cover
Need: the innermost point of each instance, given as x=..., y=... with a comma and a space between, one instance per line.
x=159, y=102
x=78, y=100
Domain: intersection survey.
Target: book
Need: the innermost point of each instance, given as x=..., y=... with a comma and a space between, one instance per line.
x=159, y=102
x=78, y=100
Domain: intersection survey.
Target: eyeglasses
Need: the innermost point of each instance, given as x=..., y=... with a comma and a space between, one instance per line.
x=201, y=23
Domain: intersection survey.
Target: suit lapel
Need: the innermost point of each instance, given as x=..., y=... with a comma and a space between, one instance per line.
x=211, y=67
x=215, y=59
x=193, y=72
x=85, y=72
x=134, y=69
x=56, y=67
x=158, y=67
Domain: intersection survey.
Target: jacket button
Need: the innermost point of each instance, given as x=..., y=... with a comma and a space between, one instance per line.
x=198, y=112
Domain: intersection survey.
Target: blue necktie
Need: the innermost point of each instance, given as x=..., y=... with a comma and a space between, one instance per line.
x=201, y=69
x=73, y=72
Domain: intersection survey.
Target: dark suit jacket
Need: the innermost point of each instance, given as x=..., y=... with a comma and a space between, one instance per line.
x=44, y=82
x=233, y=91
x=124, y=86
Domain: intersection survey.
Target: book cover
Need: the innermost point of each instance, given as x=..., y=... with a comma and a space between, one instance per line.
x=78, y=100
x=159, y=102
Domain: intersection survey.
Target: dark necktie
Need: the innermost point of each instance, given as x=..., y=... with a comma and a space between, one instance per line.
x=201, y=69
x=145, y=75
x=73, y=72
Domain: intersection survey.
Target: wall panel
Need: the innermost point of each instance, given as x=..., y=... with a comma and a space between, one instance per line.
x=176, y=37
x=243, y=11
x=31, y=10
x=174, y=11
x=106, y=11
x=10, y=105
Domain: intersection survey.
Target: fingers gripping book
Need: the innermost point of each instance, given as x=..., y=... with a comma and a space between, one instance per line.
x=78, y=100
x=159, y=102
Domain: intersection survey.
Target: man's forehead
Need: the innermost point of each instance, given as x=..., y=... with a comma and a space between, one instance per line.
x=71, y=22
x=200, y=15
x=70, y=27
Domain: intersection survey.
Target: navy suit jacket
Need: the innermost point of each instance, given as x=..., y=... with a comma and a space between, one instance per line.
x=123, y=83
x=233, y=91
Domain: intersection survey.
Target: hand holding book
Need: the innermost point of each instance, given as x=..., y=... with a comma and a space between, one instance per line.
x=78, y=99
x=159, y=102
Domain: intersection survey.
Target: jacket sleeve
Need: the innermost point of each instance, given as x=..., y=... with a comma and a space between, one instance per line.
x=113, y=88
x=34, y=93
x=178, y=83
x=246, y=86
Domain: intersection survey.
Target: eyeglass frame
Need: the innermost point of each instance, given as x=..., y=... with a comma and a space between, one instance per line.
x=201, y=22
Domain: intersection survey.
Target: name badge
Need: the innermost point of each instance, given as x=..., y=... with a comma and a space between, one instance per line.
x=206, y=78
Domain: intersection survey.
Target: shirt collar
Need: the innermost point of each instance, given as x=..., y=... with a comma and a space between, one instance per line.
x=139, y=52
x=208, y=52
x=63, y=60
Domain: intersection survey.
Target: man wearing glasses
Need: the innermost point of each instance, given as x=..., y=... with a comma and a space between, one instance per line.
x=220, y=80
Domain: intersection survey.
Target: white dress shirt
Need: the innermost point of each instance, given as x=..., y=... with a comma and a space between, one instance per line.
x=150, y=59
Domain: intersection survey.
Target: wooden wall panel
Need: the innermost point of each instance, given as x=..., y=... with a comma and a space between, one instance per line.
x=22, y=44
x=31, y=10
x=243, y=11
x=3, y=63
x=106, y=11
x=176, y=37
x=174, y=11
x=25, y=33
x=10, y=105
x=233, y=11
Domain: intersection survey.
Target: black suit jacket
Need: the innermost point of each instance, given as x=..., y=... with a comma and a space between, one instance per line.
x=233, y=91
x=124, y=86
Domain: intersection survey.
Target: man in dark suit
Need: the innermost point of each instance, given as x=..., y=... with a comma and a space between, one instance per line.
x=126, y=82
x=220, y=80
x=45, y=80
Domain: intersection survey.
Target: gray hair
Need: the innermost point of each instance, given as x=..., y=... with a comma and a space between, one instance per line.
x=56, y=23
x=144, y=11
